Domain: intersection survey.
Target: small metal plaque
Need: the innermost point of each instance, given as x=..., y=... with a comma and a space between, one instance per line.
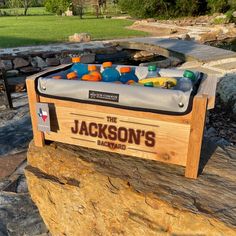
x=43, y=116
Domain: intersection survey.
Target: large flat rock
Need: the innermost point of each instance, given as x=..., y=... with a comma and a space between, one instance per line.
x=187, y=50
x=81, y=191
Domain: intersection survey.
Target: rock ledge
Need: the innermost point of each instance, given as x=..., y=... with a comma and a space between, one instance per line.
x=81, y=191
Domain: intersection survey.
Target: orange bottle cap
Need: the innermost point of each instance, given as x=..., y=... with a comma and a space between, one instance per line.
x=107, y=64
x=72, y=75
x=92, y=67
x=96, y=73
x=57, y=77
x=125, y=69
x=93, y=78
x=131, y=82
x=75, y=59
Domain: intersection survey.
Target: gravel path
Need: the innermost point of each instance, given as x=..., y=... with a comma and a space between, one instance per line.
x=15, y=126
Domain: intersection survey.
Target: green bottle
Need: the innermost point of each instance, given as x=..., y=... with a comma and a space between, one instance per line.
x=152, y=72
x=190, y=75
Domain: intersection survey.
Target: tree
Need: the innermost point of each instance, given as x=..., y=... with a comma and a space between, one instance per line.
x=26, y=4
x=78, y=7
x=100, y=7
x=115, y=4
x=15, y=5
x=57, y=6
x=102, y=4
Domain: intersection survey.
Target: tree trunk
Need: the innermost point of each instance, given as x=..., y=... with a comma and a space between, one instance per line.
x=25, y=11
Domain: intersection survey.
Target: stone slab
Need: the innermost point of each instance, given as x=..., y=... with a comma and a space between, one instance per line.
x=9, y=163
x=112, y=193
x=227, y=66
x=188, y=50
x=19, y=216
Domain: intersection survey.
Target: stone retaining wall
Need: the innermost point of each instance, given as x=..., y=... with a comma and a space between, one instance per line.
x=29, y=60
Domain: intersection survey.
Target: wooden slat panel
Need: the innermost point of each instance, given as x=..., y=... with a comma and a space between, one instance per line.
x=195, y=139
x=33, y=99
x=182, y=119
x=170, y=143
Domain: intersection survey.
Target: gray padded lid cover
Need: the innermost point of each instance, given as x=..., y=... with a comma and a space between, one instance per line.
x=128, y=96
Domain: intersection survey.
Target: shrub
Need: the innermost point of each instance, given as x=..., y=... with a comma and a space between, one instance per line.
x=190, y=7
x=163, y=8
x=37, y=3
x=147, y=8
x=232, y=4
x=218, y=5
x=230, y=17
x=3, y=13
x=57, y=6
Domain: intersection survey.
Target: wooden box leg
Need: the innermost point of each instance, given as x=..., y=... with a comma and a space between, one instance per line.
x=33, y=99
x=196, y=134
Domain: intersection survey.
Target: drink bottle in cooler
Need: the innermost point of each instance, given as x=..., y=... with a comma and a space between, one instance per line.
x=127, y=75
x=187, y=81
x=93, y=71
x=78, y=67
x=152, y=72
x=109, y=74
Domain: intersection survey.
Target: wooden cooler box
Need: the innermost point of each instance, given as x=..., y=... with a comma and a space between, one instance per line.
x=150, y=123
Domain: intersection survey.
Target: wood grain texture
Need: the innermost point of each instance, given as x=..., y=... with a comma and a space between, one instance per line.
x=196, y=134
x=182, y=119
x=171, y=139
x=33, y=99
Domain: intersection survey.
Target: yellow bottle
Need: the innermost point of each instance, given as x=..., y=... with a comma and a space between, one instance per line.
x=161, y=82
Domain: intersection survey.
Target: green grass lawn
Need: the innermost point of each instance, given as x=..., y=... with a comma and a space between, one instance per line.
x=35, y=30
